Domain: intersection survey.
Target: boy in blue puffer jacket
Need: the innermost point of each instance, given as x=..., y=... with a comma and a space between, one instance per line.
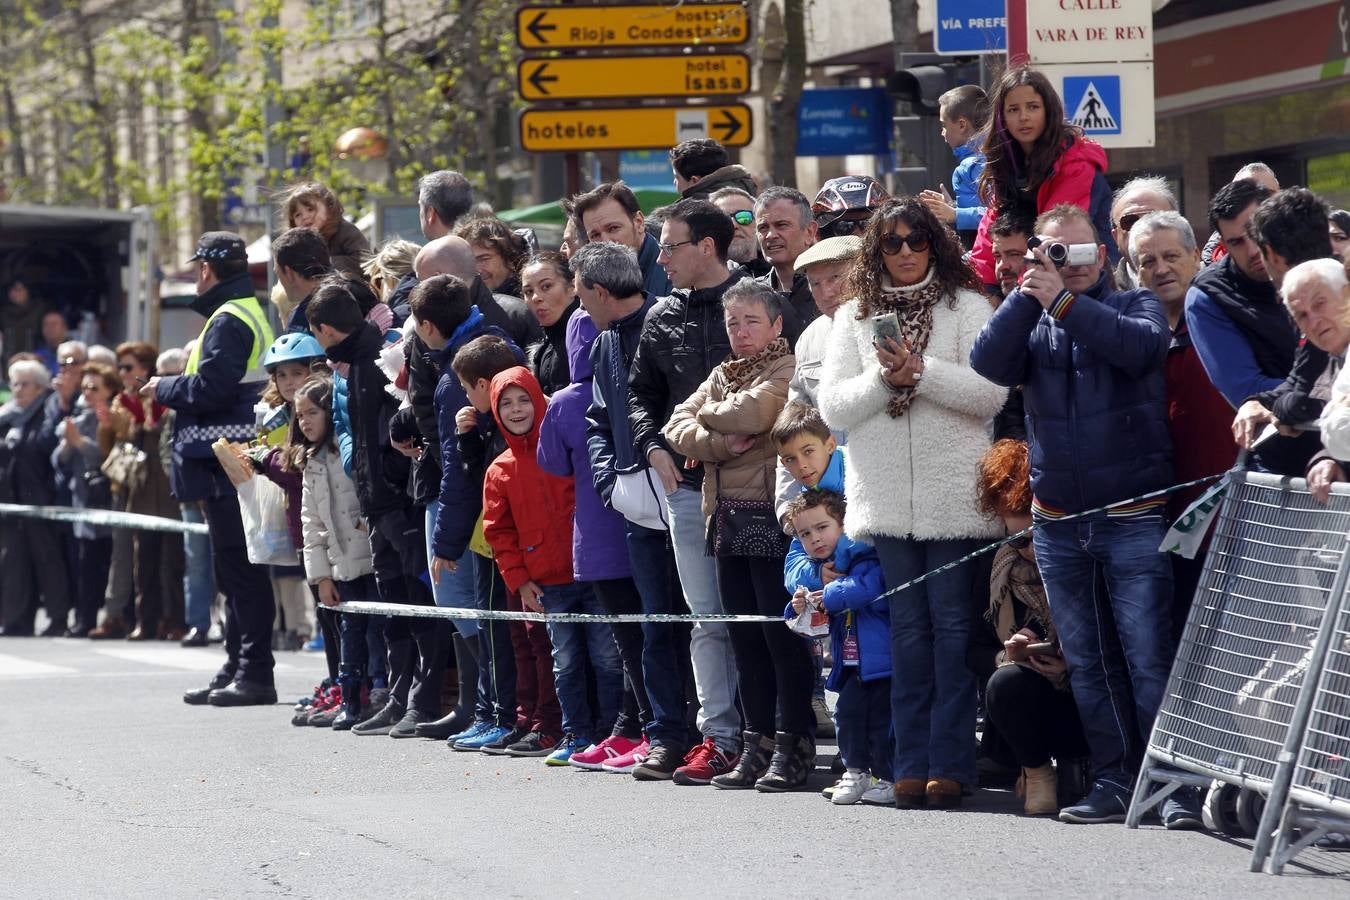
x=860, y=641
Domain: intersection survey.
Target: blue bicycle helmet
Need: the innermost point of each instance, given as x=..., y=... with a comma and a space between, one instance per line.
x=293, y=347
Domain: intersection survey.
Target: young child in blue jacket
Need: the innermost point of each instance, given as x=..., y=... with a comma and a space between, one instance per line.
x=860, y=641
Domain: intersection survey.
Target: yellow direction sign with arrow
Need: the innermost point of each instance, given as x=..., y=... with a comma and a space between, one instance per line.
x=640, y=128
x=631, y=25
x=618, y=77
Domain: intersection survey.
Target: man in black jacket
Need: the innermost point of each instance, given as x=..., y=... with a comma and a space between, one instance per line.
x=214, y=399
x=416, y=645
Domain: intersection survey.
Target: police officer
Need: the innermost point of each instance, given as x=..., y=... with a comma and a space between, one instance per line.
x=214, y=399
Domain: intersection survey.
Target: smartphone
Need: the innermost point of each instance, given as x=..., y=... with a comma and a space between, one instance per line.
x=886, y=325
x=1044, y=648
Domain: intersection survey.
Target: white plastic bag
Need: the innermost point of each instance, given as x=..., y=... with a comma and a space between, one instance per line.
x=262, y=505
x=813, y=620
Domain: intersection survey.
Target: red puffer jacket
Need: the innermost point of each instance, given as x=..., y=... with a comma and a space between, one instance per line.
x=527, y=513
x=1070, y=181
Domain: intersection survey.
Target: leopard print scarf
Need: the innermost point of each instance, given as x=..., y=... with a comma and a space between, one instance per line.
x=740, y=372
x=913, y=306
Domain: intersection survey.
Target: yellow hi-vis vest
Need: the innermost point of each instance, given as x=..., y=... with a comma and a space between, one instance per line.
x=249, y=311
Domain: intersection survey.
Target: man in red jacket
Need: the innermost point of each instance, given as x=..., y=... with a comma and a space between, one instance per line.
x=1164, y=254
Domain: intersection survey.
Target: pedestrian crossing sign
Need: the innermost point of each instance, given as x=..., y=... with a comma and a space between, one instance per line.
x=1095, y=103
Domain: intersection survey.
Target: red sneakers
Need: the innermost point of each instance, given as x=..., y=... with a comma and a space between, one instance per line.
x=703, y=763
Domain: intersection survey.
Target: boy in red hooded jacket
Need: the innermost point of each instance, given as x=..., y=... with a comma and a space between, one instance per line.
x=527, y=518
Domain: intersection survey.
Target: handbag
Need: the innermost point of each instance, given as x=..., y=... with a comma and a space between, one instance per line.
x=745, y=527
x=126, y=467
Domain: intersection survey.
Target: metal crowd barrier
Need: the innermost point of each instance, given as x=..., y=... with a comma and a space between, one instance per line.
x=1238, y=702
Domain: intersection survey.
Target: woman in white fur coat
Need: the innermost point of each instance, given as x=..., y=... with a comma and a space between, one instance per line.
x=915, y=413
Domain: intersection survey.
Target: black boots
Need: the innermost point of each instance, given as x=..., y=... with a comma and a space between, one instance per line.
x=753, y=762
x=794, y=756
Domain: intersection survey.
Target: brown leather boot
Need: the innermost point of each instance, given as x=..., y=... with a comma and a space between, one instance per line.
x=943, y=793
x=111, y=629
x=1042, y=795
x=909, y=793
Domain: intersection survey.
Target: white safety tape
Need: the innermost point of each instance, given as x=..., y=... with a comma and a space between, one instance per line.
x=105, y=518
x=448, y=612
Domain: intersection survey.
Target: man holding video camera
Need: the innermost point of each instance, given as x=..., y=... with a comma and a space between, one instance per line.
x=1090, y=359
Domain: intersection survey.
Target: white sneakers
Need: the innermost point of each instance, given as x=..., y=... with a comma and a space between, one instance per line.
x=851, y=788
x=882, y=793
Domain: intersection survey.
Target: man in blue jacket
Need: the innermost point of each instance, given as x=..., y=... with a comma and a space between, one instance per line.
x=1090, y=360
x=214, y=399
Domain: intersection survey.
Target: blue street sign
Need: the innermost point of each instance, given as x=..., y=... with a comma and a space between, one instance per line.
x=844, y=122
x=646, y=169
x=1093, y=103
x=963, y=27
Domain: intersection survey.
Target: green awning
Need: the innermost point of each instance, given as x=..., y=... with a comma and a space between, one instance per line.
x=552, y=213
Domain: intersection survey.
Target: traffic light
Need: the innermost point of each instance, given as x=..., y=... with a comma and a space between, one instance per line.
x=921, y=86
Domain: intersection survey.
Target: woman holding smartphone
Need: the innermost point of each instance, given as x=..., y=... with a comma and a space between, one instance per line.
x=915, y=413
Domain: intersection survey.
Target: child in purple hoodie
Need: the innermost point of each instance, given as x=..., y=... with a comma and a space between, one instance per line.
x=599, y=549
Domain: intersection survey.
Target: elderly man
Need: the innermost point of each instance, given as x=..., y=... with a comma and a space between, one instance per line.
x=1136, y=199
x=1317, y=295
x=1163, y=251
x=1090, y=360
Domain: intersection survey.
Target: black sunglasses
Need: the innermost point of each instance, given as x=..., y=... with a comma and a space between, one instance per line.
x=1127, y=222
x=1021, y=542
x=843, y=228
x=743, y=217
x=892, y=242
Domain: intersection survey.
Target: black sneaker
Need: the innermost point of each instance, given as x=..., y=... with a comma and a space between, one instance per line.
x=498, y=747
x=533, y=744
x=1106, y=802
x=752, y=763
x=407, y=726
x=660, y=764
x=794, y=757
x=382, y=721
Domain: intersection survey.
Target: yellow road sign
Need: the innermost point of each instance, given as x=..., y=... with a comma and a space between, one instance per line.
x=633, y=128
x=662, y=24
x=614, y=77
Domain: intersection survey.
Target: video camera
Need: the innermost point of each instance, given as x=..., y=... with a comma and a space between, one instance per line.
x=1062, y=254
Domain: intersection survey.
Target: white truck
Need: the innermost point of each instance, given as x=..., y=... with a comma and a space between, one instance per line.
x=95, y=265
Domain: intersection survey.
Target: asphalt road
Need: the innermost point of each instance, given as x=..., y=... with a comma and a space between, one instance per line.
x=111, y=786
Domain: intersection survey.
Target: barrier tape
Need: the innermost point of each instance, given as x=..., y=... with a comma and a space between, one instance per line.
x=154, y=523
x=448, y=612
x=106, y=518
x=441, y=612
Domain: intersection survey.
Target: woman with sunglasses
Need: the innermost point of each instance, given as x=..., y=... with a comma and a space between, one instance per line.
x=1035, y=160
x=1032, y=716
x=915, y=414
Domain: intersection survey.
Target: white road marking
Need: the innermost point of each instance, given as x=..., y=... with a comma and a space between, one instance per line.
x=189, y=658
x=19, y=667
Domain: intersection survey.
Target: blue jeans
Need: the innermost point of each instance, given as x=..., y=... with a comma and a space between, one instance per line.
x=710, y=652
x=1110, y=594
x=662, y=671
x=456, y=589
x=199, y=588
x=573, y=644
x=932, y=690
x=863, y=721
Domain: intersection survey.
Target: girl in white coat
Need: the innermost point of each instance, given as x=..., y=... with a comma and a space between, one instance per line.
x=337, y=547
x=915, y=413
